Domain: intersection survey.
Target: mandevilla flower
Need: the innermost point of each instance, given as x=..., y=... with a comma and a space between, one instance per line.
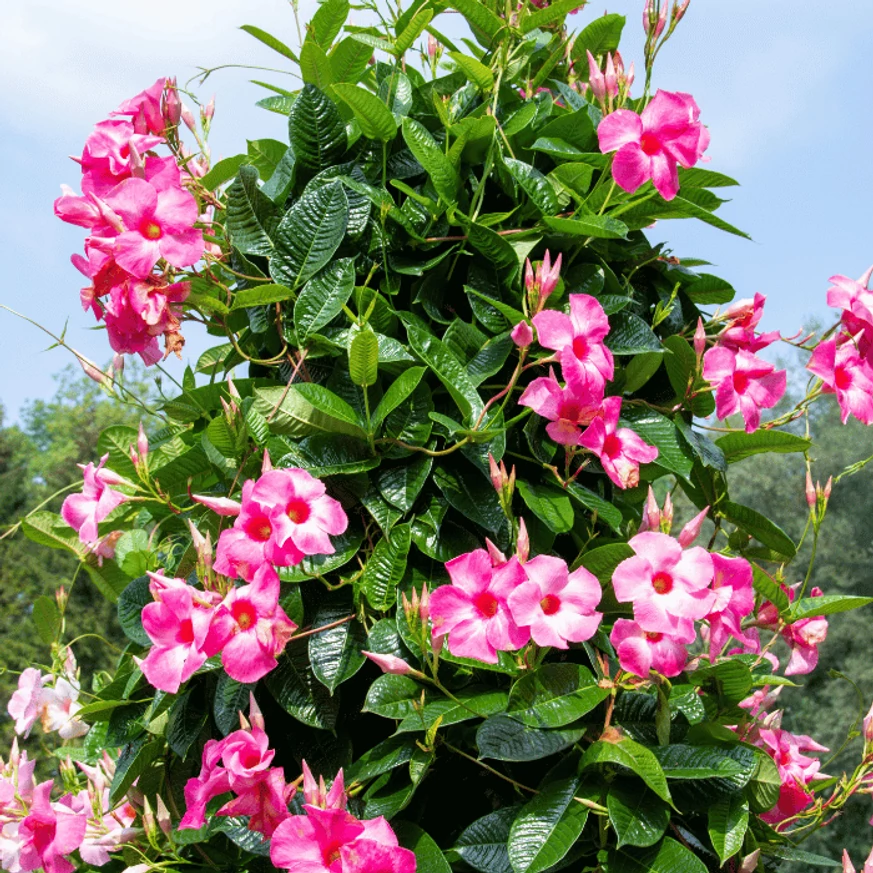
x=652, y=145
x=541, y=284
x=567, y=409
x=83, y=512
x=734, y=601
x=741, y=319
x=641, y=651
x=50, y=832
x=848, y=375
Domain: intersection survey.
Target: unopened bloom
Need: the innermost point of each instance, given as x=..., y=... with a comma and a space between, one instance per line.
x=652, y=145
x=640, y=651
x=316, y=793
x=522, y=334
x=84, y=512
x=567, y=409
x=389, y=663
x=473, y=610
x=743, y=384
x=848, y=375
x=539, y=285
x=621, y=451
x=668, y=585
x=557, y=606
x=250, y=629
x=578, y=340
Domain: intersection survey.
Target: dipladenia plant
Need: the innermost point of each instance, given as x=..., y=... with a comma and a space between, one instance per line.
x=398, y=566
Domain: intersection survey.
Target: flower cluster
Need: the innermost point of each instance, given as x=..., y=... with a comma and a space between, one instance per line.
x=743, y=382
x=38, y=832
x=844, y=363
x=141, y=220
x=586, y=365
x=497, y=604
x=240, y=764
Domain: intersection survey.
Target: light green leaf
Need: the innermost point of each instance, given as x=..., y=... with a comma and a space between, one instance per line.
x=728, y=820
x=260, y=295
x=397, y=392
x=328, y=21
x=412, y=31
x=827, y=604
x=323, y=297
x=474, y=70
x=634, y=757
x=375, y=118
x=601, y=36
x=315, y=66
x=588, y=225
x=47, y=618
x=737, y=446
x=550, y=505
x=270, y=40
x=306, y=408
x=364, y=358
x=423, y=146
x=554, y=13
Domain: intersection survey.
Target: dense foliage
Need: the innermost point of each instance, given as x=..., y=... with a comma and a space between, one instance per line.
x=467, y=363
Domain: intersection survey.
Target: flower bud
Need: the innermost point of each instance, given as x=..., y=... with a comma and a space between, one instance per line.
x=142, y=442
x=496, y=477
x=188, y=119
x=679, y=9
x=662, y=19
x=868, y=726
x=596, y=79
x=118, y=363
x=267, y=463
x=699, y=338
x=91, y=370
x=651, y=513
x=522, y=544
x=827, y=489
x=750, y=863
x=389, y=663
x=424, y=605
x=811, y=496
x=522, y=334
x=172, y=106
x=691, y=531
x=137, y=165
x=432, y=46
x=498, y=559
x=667, y=514
x=165, y=821
x=610, y=77
x=647, y=17
x=220, y=505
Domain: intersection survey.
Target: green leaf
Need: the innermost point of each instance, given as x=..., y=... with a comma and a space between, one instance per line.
x=306, y=408
x=641, y=368
x=401, y=485
x=550, y=505
x=448, y=370
x=315, y=67
x=679, y=207
x=595, y=503
x=484, y=844
x=630, y=335
x=472, y=495
x=556, y=12
x=47, y=618
x=546, y=827
x=335, y=653
x=725, y=768
x=393, y=696
x=364, y=358
x=428, y=856
x=634, y=757
x=491, y=244
x=599, y=37
x=132, y=552
x=251, y=216
x=386, y=566
x=480, y=18
x=349, y=59
x=261, y=295
x=269, y=40
x=828, y=604
x=231, y=698
x=728, y=820
x=323, y=297
x=375, y=118
x=412, y=31
x=132, y=763
x=474, y=70
x=423, y=146
x=295, y=688
x=638, y=816
x=187, y=717
x=588, y=225
x=309, y=234
x=48, y=529
x=764, y=786
x=397, y=392
x=674, y=453
x=709, y=290
x=535, y=185
x=554, y=695
x=574, y=129
x=730, y=681
x=130, y=605
x=223, y=171
x=737, y=446
x=696, y=177
x=668, y=856
x=770, y=590
x=603, y=560
x=503, y=738
x=328, y=21
x=759, y=526
x=316, y=130
x=387, y=755
x=476, y=702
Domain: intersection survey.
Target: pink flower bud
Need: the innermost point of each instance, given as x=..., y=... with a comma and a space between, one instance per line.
x=629, y=78
x=172, y=107
x=596, y=80
x=165, y=821
x=522, y=545
x=118, y=363
x=207, y=111
x=750, y=863
x=679, y=10
x=267, y=463
x=522, y=334
x=868, y=726
x=699, y=338
x=389, y=663
x=647, y=17
x=220, y=505
x=827, y=489
x=662, y=19
x=651, y=514
x=610, y=78
x=811, y=497
x=691, y=531
x=432, y=45
x=667, y=514
x=424, y=605
x=496, y=476
x=92, y=371
x=142, y=442
x=497, y=557
x=529, y=280
x=188, y=119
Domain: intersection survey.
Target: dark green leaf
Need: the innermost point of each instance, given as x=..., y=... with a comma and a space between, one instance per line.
x=260, y=295
x=668, y=856
x=402, y=484
x=595, y=503
x=484, y=844
x=251, y=217
x=397, y=392
x=634, y=757
x=386, y=566
x=737, y=446
x=503, y=738
x=758, y=526
x=231, y=699
x=476, y=702
x=387, y=755
x=187, y=717
x=674, y=453
x=130, y=605
x=728, y=819
x=431, y=157
x=393, y=696
x=374, y=117
x=472, y=495
x=638, y=816
x=335, y=653
x=630, y=335
x=47, y=618
x=316, y=130
x=306, y=408
x=588, y=225
x=554, y=695
x=550, y=505
x=295, y=688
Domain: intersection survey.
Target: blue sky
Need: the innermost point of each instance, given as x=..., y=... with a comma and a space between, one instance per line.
x=784, y=88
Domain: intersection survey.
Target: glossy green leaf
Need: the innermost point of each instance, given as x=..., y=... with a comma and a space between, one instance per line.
x=484, y=844
x=261, y=295
x=551, y=14
x=306, y=408
x=187, y=718
x=130, y=605
x=599, y=37
x=364, y=358
x=728, y=820
x=328, y=21
x=503, y=738
x=638, y=816
x=386, y=566
x=468, y=704
x=269, y=40
x=474, y=70
x=630, y=335
x=381, y=758
x=323, y=297
x=758, y=526
x=550, y=505
x=737, y=446
x=375, y=118
x=316, y=130
x=393, y=696
x=669, y=856
x=295, y=688
x=674, y=453
x=535, y=185
x=594, y=503
x=827, y=604
x=315, y=65
x=413, y=30
x=588, y=225
x=251, y=217
x=631, y=755
x=397, y=392
x=402, y=484
x=479, y=17
x=709, y=290
x=335, y=653
x=231, y=699
x=443, y=175
x=471, y=494
x=554, y=695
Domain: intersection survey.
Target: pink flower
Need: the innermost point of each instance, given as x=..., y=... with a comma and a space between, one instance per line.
x=333, y=841
x=250, y=628
x=578, y=340
x=620, y=450
x=145, y=111
x=743, y=383
x=651, y=145
x=522, y=334
x=557, y=606
x=856, y=301
x=541, y=284
x=848, y=375
x=24, y=705
x=668, y=586
x=473, y=610
x=178, y=623
x=59, y=704
x=284, y=516
x=640, y=651
x=804, y=637
x=107, y=154
x=742, y=318
x=389, y=663
x=50, y=832
x=567, y=409
x=734, y=601
x=316, y=793
x=83, y=512
x=160, y=224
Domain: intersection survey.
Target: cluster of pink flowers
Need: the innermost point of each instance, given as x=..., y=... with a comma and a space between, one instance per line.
x=284, y=516
x=240, y=764
x=578, y=411
x=844, y=363
x=652, y=145
x=329, y=839
x=141, y=221
x=51, y=700
x=37, y=832
x=84, y=511
x=743, y=382
x=497, y=604
x=802, y=637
